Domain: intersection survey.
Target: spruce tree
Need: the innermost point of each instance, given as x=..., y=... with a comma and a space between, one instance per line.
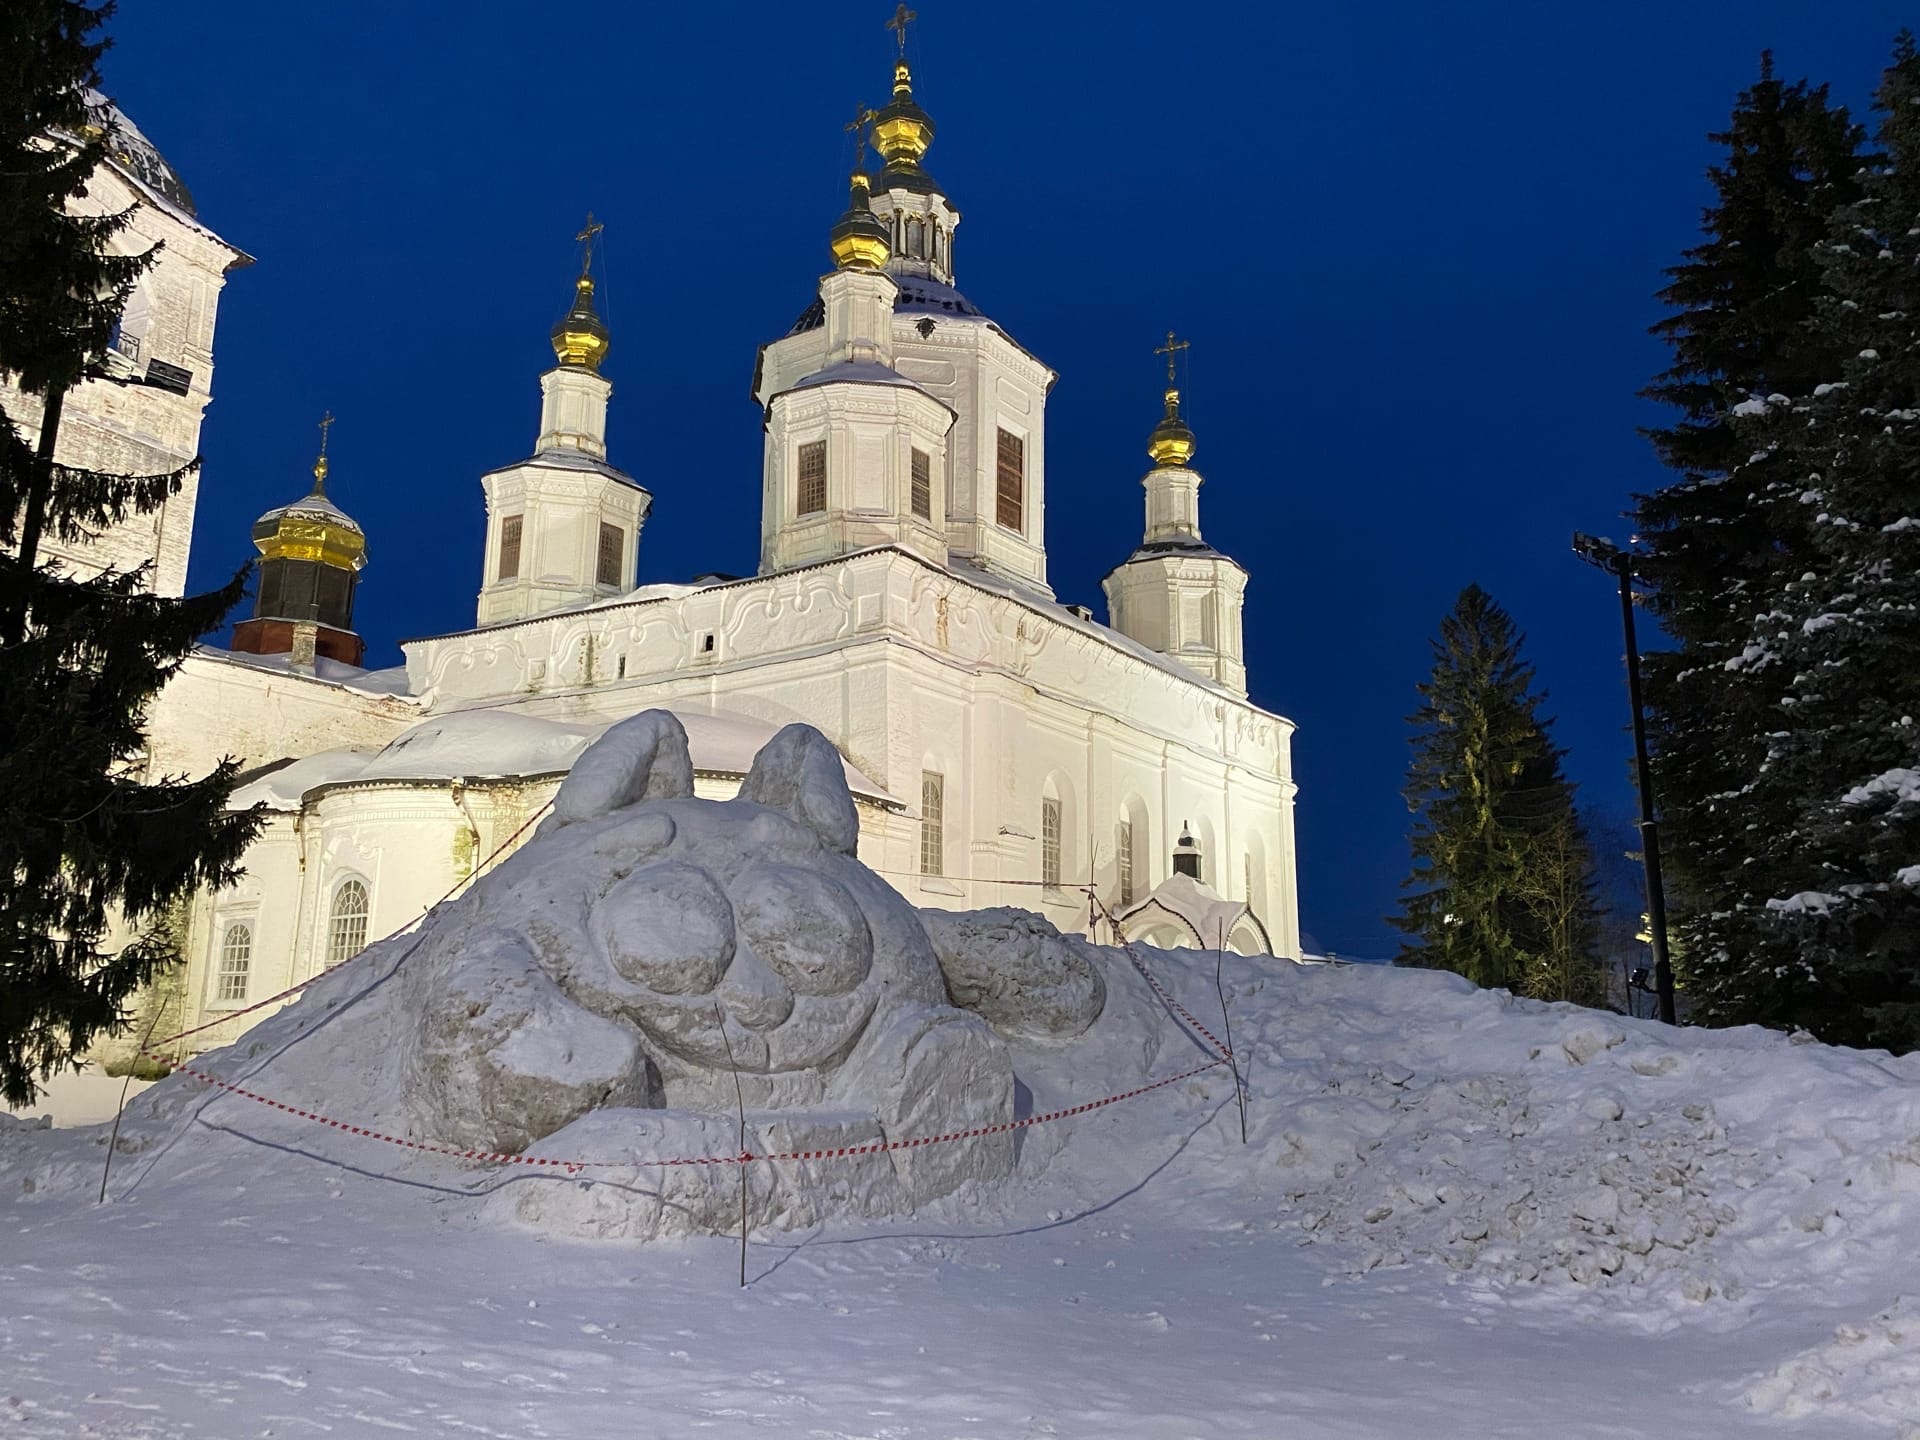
x=1501, y=888
x=84, y=844
x=1719, y=543
x=1827, y=914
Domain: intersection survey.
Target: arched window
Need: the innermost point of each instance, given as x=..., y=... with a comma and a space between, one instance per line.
x=347, y=928
x=1052, y=822
x=236, y=962
x=939, y=247
x=917, y=238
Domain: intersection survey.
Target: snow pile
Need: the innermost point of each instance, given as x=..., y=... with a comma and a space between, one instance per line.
x=1868, y=1371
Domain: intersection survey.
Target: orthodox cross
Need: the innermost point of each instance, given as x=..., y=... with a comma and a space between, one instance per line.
x=861, y=115
x=1171, y=349
x=320, y=465
x=902, y=18
x=585, y=237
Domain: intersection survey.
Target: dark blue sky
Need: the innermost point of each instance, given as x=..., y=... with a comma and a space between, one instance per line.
x=1415, y=247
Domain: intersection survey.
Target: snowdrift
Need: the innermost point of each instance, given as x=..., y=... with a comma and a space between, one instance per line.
x=593, y=999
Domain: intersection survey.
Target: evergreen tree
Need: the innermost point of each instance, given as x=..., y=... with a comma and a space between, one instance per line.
x=1719, y=542
x=82, y=842
x=1827, y=914
x=1501, y=889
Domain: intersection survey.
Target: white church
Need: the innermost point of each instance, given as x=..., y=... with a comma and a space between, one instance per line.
x=1003, y=747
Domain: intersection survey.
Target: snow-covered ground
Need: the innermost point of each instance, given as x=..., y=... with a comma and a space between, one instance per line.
x=1458, y=1215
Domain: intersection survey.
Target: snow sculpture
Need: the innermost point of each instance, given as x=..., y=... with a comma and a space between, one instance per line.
x=598, y=996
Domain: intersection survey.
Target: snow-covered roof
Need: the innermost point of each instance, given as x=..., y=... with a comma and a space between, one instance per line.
x=139, y=160
x=1209, y=915
x=559, y=458
x=313, y=505
x=505, y=744
x=390, y=683
x=862, y=372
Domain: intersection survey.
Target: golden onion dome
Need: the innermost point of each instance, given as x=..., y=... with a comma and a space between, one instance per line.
x=1171, y=443
x=313, y=528
x=859, y=241
x=581, y=339
x=903, y=131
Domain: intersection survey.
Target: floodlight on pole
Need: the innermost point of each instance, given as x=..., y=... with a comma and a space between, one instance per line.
x=1603, y=554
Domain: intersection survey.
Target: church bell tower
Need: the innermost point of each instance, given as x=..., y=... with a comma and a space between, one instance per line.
x=1177, y=594
x=563, y=526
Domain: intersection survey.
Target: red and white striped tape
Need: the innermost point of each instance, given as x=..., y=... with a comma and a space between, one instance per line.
x=574, y=1167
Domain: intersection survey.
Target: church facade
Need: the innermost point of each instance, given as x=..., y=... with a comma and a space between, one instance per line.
x=1003, y=748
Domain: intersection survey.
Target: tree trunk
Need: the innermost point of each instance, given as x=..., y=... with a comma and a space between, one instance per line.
x=34, y=519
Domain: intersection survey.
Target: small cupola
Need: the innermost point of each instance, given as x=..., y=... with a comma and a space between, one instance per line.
x=1186, y=854
x=859, y=241
x=311, y=555
x=1171, y=443
x=902, y=131
x=581, y=339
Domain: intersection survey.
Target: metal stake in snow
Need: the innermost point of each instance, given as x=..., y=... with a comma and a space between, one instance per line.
x=740, y=1101
x=1226, y=1020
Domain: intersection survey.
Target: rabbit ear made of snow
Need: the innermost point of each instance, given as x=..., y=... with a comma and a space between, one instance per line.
x=644, y=757
x=800, y=774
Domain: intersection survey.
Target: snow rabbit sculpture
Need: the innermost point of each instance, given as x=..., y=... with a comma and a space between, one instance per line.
x=611, y=983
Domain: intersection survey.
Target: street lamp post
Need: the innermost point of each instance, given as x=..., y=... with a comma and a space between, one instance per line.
x=1605, y=555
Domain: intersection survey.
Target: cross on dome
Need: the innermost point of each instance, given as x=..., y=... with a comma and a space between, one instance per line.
x=1171, y=350
x=320, y=465
x=902, y=18
x=585, y=238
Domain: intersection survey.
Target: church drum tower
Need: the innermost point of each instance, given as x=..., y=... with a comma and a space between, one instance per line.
x=311, y=555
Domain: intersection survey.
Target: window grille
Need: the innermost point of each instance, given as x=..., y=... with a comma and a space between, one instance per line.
x=933, y=791
x=1050, y=843
x=347, y=929
x=813, y=478
x=510, y=547
x=613, y=544
x=923, y=485
x=1010, y=491
x=1123, y=858
x=236, y=960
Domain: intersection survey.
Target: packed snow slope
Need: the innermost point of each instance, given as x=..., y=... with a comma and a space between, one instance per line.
x=1454, y=1214
x=1457, y=1214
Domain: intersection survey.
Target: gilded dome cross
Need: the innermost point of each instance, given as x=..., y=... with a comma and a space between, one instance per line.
x=320, y=465
x=585, y=237
x=1171, y=350
x=902, y=18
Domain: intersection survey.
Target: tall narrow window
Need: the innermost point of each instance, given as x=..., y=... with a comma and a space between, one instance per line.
x=1123, y=859
x=1010, y=492
x=236, y=961
x=923, y=485
x=933, y=808
x=1050, y=843
x=917, y=238
x=613, y=544
x=813, y=478
x=347, y=927
x=510, y=547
